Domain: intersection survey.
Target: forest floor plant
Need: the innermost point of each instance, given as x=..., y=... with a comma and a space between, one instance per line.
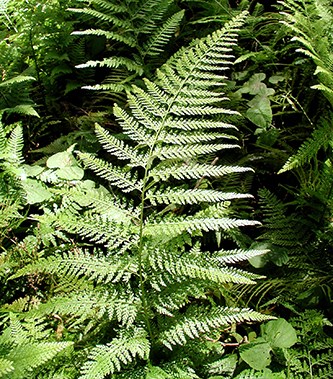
x=141, y=270
x=146, y=297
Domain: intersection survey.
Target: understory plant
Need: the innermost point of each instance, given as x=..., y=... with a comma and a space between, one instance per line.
x=298, y=228
x=129, y=269
x=135, y=36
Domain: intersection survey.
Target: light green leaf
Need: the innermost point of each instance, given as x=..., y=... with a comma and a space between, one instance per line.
x=259, y=261
x=276, y=79
x=62, y=159
x=264, y=374
x=254, y=85
x=256, y=355
x=70, y=173
x=33, y=170
x=260, y=111
x=245, y=57
x=36, y=192
x=279, y=333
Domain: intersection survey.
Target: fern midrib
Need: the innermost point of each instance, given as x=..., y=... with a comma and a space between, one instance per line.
x=145, y=187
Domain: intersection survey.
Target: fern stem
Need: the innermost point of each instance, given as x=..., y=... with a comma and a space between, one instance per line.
x=140, y=256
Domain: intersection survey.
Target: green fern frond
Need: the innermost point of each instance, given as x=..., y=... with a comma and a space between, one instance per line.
x=171, y=229
x=114, y=235
x=16, y=79
x=108, y=5
x=29, y=356
x=309, y=149
x=114, y=62
x=306, y=21
x=175, y=295
x=280, y=229
x=6, y=367
x=191, y=170
x=101, y=202
x=103, y=16
x=91, y=306
x=156, y=43
x=119, y=148
x=191, y=138
x=239, y=255
x=148, y=288
x=126, y=39
x=144, y=28
x=190, y=151
x=193, y=196
x=190, y=327
x=16, y=96
x=94, y=268
x=192, y=124
x=148, y=14
x=114, y=175
x=133, y=128
x=191, y=267
x=107, y=359
x=14, y=146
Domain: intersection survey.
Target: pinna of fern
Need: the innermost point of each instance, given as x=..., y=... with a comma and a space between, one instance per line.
x=148, y=254
x=141, y=28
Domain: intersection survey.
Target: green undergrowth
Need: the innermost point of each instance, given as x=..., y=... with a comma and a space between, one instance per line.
x=165, y=189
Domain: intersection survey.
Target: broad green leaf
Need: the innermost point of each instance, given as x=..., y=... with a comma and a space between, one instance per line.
x=256, y=355
x=268, y=137
x=276, y=79
x=70, y=173
x=260, y=111
x=259, y=261
x=279, y=333
x=245, y=57
x=16, y=79
x=33, y=170
x=62, y=159
x=36, y=192
x=254, y=85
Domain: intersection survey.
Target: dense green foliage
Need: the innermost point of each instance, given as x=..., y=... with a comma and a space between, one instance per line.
x=166, y=189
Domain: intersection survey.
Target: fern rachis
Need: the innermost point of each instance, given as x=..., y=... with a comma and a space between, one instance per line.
x=154, y=257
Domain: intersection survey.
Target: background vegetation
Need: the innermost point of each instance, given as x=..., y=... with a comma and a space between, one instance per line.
x=166, y=192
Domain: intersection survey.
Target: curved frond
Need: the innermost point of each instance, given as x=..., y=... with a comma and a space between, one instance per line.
x=203, y=320
x=107, y=359
x=94, y=268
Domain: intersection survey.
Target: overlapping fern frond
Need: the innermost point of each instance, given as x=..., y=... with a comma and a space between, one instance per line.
x=141, y=28
x=311, y=22
x=148, y=285
x=19, y=355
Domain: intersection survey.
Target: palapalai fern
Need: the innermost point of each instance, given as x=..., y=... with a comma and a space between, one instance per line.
x=144, y=286
x=137, y=34
x=311, y=23
x=20, y=354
